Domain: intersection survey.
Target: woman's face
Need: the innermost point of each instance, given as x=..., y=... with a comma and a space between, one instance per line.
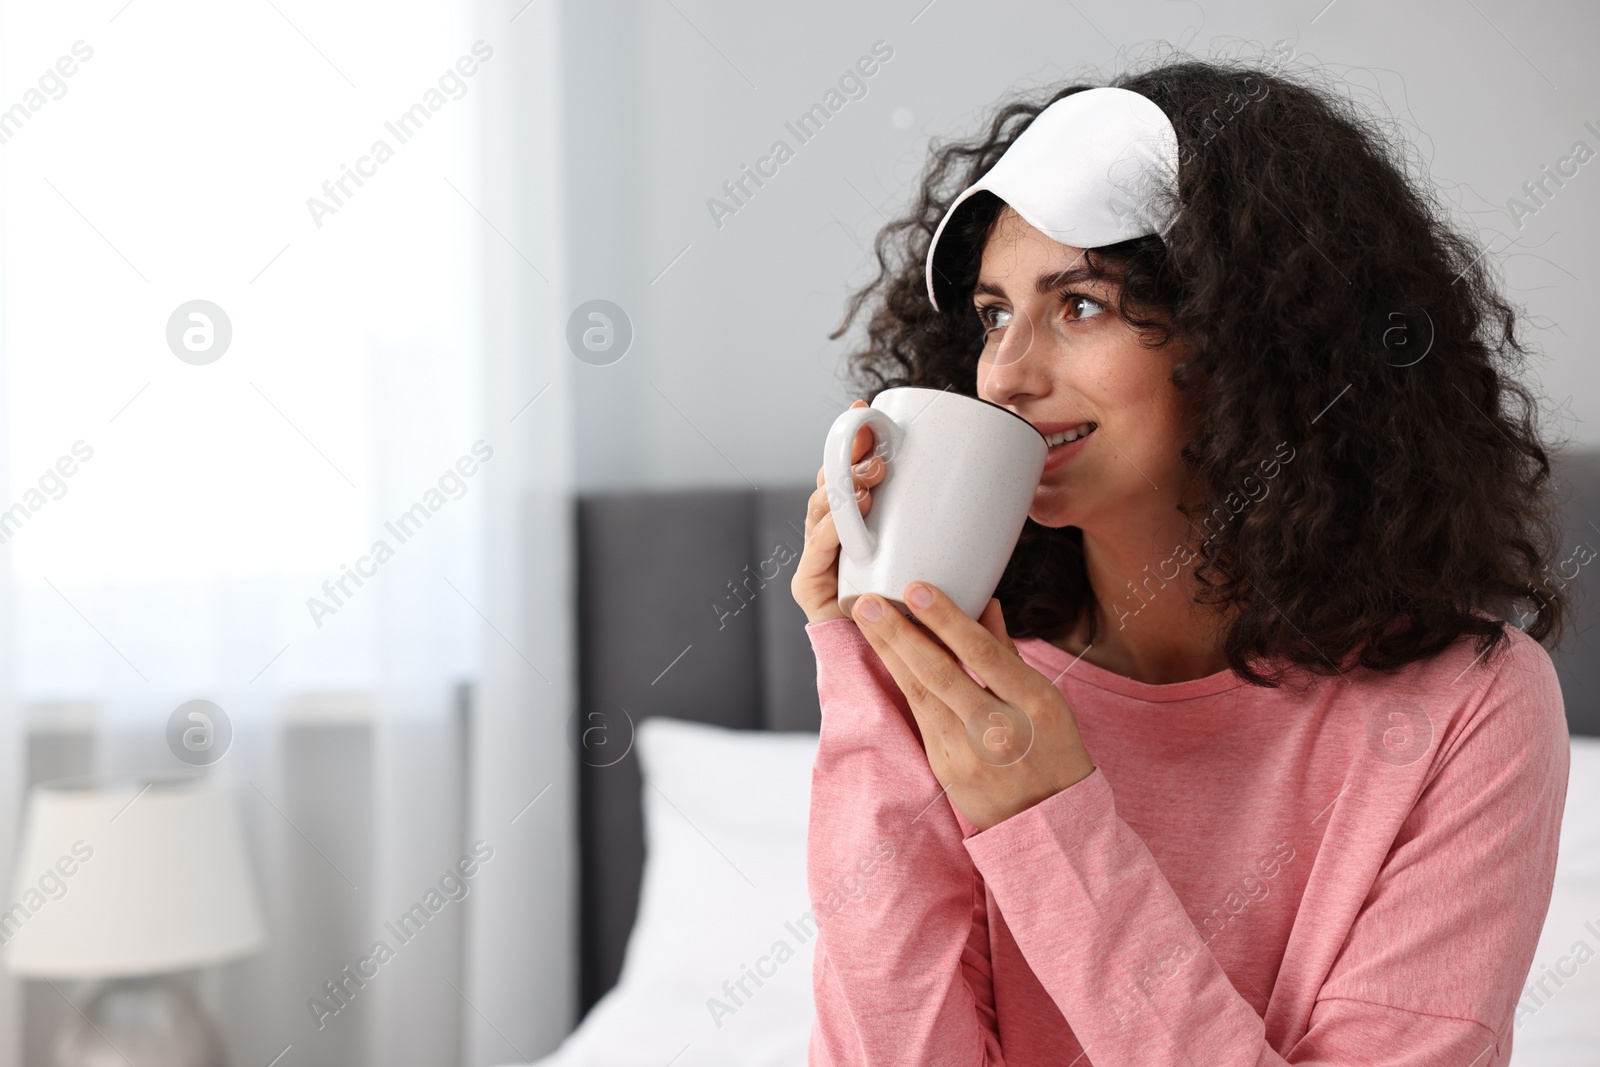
x=1058, y=355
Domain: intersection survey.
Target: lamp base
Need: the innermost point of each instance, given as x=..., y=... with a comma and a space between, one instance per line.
x=139, y=1022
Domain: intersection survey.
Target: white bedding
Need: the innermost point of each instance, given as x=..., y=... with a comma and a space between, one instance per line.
x=724, y=887
x=1558, y=1025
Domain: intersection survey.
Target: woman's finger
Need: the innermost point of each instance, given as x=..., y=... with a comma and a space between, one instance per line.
x=993, y=620
x=992, y=658
x=926, y=674
x=941, y=726
x=821, y=532
x=863, y=442
x=997, y=727
x=817, y=507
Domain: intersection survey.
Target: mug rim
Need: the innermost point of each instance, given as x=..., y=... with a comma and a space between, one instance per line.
x=968, y=396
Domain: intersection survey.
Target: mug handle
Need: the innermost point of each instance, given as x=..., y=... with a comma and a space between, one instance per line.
x=855, y=539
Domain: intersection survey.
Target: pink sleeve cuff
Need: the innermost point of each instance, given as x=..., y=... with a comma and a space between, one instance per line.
x=1062, y=822
x=840, y=641
x=835, y=636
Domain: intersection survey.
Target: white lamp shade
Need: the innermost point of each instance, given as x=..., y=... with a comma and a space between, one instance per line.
x=128, y=879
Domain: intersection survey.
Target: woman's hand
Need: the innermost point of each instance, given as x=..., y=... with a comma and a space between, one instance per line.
x=815, y=585
x=997, y=750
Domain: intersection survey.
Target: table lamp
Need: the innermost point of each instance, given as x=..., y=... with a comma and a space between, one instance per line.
x=130, y=882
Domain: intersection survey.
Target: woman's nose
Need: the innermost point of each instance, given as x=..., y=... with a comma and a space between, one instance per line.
x=1011, y=367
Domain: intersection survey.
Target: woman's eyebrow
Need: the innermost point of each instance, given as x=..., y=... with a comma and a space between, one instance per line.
x=1046, y=284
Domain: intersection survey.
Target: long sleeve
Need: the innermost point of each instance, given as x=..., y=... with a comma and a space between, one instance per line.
x=901, y=972
x=1441, y=938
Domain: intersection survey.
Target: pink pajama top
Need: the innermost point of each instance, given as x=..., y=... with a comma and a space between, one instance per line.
x=1352, y=870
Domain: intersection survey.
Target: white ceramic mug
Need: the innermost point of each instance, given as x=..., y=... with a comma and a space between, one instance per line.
x=960, y=476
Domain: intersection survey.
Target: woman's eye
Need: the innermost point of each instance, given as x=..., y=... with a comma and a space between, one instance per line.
x=1082, y=307
x=1076, y=308
x=994, y=318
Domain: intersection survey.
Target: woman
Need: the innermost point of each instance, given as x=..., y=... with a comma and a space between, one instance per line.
x=1275, y=783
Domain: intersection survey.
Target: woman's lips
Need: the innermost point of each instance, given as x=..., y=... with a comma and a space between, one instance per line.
x=1063, y=453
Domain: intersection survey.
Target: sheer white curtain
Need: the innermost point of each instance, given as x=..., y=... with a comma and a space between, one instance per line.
x=294, y=530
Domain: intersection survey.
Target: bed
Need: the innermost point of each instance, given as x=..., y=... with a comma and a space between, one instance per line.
x=695, y=669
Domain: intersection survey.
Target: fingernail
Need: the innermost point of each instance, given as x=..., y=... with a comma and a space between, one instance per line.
x=867, y=607
x=919, y=595
x=864, y=468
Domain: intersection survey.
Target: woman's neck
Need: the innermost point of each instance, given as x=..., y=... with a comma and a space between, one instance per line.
x=1148, y=626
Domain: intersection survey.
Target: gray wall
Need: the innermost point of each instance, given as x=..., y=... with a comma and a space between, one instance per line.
x=731, y=377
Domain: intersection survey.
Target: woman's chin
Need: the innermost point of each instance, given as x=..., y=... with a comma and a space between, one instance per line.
x=1052, y=511
x=1053, y=515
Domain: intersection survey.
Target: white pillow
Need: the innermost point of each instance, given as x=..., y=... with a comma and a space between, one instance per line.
x=723, y=903
x=1559, y=1025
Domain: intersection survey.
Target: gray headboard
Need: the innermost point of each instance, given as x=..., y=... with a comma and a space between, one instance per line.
x=1578, y=659
x=684, y=610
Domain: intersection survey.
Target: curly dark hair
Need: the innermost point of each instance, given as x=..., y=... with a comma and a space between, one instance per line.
x=1305, y=271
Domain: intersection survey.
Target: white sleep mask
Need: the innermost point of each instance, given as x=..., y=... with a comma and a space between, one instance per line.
x=1092, y=169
